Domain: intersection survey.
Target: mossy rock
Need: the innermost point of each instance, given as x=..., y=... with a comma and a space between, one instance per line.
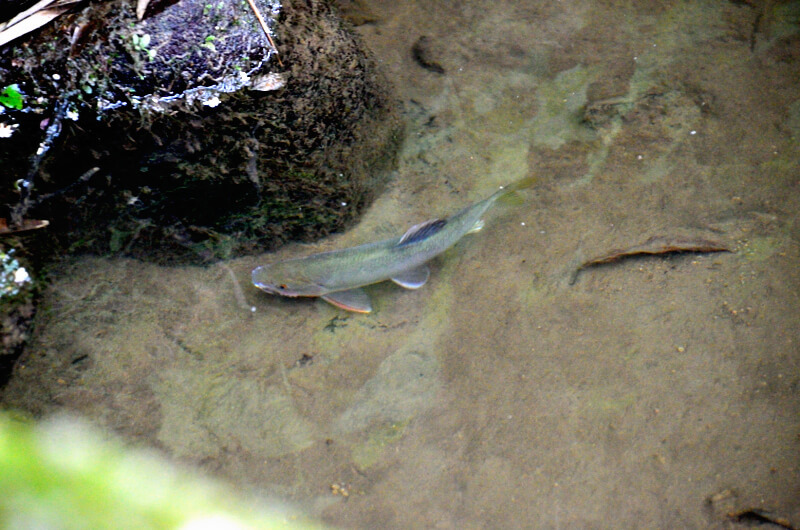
x=17, y=307
x=207, y=143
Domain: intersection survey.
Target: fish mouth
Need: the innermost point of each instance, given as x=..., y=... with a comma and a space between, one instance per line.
x=268, y=287
x=314, y=290
x=297, y=286
x=275, y=290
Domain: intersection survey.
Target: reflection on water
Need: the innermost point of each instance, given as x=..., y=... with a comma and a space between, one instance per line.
x=499, y=393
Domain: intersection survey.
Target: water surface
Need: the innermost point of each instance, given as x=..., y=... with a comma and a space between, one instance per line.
x=654, y=392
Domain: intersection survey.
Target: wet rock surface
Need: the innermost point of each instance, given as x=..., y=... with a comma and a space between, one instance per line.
x=205, y=142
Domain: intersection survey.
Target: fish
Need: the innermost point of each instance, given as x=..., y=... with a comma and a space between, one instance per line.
x=337, y=276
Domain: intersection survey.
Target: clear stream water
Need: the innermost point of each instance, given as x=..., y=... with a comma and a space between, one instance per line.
x=654, y=392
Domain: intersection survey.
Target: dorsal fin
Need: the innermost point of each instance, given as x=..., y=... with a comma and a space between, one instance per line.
x=421, y=231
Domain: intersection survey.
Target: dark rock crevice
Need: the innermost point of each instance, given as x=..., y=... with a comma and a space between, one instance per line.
x=205, y=146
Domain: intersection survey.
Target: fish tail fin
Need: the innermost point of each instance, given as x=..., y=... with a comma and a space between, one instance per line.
x=509, y=195
x=521, y=184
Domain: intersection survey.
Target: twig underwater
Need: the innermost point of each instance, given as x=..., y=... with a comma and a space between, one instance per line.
x=655, y=246
x=265, y=29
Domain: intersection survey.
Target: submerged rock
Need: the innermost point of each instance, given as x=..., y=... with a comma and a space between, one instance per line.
x=206, y=143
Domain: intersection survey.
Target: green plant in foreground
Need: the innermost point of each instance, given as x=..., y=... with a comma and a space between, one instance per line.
x=11, y=97
x=63, y=474
x=141, y=43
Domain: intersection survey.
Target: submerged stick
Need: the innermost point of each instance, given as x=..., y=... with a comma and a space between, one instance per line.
x=656, y=245
x=660, y=245
x=265, y=29
x=759, y=516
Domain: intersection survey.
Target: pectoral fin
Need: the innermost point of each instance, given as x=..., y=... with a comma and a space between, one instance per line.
x=414, y=278
x=350, y=300
x=477, y=227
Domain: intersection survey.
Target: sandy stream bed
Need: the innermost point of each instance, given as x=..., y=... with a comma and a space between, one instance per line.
x=653, y=392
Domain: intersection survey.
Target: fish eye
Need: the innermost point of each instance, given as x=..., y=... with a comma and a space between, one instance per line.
x=282, y=286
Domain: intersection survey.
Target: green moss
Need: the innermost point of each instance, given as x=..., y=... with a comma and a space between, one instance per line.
x=784, y=19
x=217, y=246
x=369, y=453
x=793, y=120
x=603, y=406
x=561, y=103
x=241, y=177
x=201, y=406
x=760, y=248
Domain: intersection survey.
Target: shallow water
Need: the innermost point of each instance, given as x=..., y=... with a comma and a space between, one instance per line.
x=653, y=392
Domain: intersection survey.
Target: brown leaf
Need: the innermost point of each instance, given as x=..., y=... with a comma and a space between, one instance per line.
x=30, y=23
x=33, y=18
x=141, y=7
x=759, y=516
x=660, y=245
x=27, y=224
x=656, y=245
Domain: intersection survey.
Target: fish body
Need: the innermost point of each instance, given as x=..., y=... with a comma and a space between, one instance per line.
x=337, y=276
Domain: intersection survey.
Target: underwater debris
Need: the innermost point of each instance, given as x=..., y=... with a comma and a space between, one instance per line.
x=265, y=29
x=12, y=275
x=6, y=130
x=269, y=82
x=31, y=19
x=423, y=55
x=656, y=245
x=758, y=516
x=24, y=226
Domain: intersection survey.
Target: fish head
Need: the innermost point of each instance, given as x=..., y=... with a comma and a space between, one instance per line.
x=283, y=279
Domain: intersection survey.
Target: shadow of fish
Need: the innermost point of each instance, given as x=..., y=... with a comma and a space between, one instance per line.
x=337, y=276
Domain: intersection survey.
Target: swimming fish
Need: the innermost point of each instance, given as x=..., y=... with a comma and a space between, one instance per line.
x=337, y=276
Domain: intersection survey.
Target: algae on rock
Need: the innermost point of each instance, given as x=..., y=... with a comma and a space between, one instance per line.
x=206, y=146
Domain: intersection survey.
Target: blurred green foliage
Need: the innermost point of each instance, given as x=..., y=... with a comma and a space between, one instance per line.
x=11, y=97
x=64, y=474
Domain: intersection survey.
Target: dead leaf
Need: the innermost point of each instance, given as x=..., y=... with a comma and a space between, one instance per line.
x=141, y=7
x=31, y=23
x=656, y=245
x=32, y=19
x=660, y=245
x=759, y=516
x=27, y=224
